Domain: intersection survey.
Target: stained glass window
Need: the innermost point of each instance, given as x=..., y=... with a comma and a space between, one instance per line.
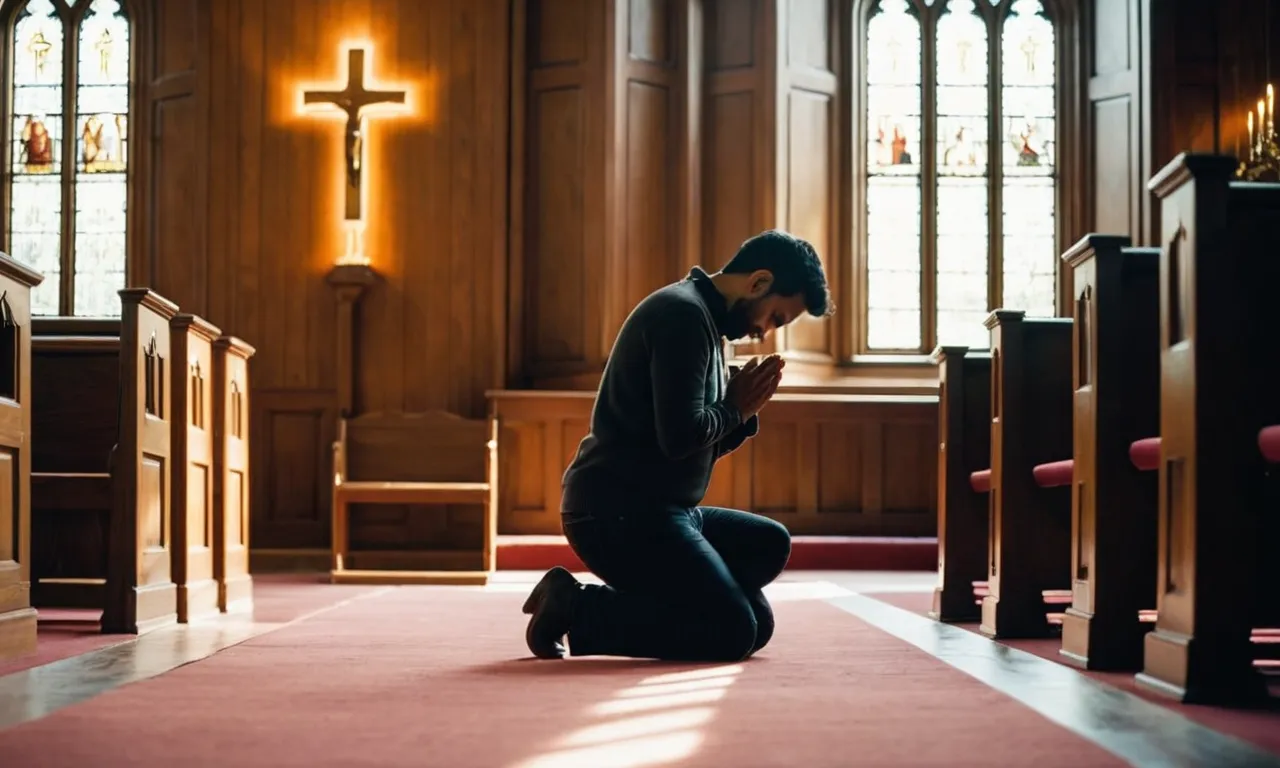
x=893, y=176
x=69, y=86
x=990, y=153
x=1027, y=106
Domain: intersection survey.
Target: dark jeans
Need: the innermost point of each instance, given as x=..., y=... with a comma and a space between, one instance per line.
x=680, y=584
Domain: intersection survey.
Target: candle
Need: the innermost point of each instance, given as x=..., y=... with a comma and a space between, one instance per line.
x=1271, y=111
x=1250, y=136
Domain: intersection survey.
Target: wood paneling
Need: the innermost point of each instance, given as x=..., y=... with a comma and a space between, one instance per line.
x=852, y=465
x=562, y=159
x=241, y=216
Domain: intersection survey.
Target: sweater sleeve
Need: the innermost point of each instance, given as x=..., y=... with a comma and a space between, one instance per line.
x=681, y=355
x=734, y=440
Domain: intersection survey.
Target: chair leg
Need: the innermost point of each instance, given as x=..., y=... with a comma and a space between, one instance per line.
x=339, y=534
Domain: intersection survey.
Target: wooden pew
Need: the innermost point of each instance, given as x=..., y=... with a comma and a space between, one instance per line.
x=192, y=441
x=17, y=617
x=231, y=489
x=1029, y=549
x=964, y=447
x=414, y=460
x=102, y=464
x=1116, y=375
x=1218, y=324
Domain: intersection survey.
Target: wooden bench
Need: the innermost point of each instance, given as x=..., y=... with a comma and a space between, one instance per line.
x=102, y=464
x=1218, y=323
x=432, y=459
x=17, y=617
x=964, y=447
x=1115, y=374
x=231, y=460
x=192, y=441
x=1029, y=552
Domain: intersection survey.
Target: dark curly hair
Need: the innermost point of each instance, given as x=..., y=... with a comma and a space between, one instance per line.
x=795, y=266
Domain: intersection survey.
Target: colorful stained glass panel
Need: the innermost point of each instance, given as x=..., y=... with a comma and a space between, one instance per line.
x=35, y=210
x=893, y=166
x=1028, y=104
x=102, y=161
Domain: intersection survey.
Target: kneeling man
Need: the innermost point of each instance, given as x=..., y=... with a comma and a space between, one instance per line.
x=681, y=581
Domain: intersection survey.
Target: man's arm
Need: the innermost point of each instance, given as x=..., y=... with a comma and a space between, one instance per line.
x=680, y=356
x=734, y=440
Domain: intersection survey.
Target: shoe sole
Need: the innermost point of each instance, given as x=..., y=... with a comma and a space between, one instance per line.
x=535, y=596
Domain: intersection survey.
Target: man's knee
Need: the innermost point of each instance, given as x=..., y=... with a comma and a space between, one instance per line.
x=775, y=547
x=735, y=637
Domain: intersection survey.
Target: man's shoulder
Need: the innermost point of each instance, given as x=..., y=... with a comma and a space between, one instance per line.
x=678, y=302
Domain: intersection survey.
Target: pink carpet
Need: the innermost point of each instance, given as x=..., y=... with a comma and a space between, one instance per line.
x=1258, y=727
x=64, y=633
x=439, y=677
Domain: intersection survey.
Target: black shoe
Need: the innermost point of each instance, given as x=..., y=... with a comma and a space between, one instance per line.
x=552, y=617
x=552, y=579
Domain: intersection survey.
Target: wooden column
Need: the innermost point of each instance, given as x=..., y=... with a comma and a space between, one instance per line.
x=774, y=106
x=349, y=282
x=606, y=184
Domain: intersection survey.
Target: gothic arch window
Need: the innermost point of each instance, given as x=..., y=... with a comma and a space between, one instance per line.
x=958, y=183
x=65, y=194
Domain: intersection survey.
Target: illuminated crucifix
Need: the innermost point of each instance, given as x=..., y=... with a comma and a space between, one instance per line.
x=354, y=99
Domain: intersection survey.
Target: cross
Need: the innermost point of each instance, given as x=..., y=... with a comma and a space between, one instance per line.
x=39, y=48
x=353, y=100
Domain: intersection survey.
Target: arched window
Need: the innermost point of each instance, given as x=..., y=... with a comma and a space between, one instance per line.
x=65, y=193
x=958, y=178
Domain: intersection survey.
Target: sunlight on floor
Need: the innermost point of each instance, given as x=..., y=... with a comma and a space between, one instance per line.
x=662, y=721
x=778, y=592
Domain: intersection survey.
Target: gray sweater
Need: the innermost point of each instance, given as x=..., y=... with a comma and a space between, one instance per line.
x=660, y=420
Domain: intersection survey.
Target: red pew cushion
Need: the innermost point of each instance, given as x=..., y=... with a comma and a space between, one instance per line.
x=980, y=481
x=1145, y=454
x=1269, y=443
x=1053, y=474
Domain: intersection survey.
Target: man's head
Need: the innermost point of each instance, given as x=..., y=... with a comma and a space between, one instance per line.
x=772, y=279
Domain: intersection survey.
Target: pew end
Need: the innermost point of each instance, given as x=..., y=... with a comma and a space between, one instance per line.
x=410, y=460
x=1115, y=373
x=141, y=595
x=964, y=448
x=17, y=616
x=1217, y=579
x=194, y=464
x=231, y=488
x=1029, y=548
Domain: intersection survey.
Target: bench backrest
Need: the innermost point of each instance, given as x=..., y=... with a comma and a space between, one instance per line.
x=428, y=447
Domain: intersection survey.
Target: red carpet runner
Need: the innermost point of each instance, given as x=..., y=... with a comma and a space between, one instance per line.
x=437, y=677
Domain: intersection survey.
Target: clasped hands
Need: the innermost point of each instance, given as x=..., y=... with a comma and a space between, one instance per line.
x=754, y=385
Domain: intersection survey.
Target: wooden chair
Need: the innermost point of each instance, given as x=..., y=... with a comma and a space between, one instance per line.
x=422, y=459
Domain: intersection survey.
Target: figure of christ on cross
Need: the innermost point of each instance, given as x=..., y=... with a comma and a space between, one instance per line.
x=354, y=99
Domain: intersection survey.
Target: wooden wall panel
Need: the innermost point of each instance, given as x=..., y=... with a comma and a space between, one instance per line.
x=1116, y=118
x=243, y=216
x=836, y=464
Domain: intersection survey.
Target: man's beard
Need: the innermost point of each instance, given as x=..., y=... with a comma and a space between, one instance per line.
x=738, y=323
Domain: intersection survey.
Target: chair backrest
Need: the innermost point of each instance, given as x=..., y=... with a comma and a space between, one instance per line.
x=425, y=447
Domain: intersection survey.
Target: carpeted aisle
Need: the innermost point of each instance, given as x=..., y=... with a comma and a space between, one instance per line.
x=438, y=677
